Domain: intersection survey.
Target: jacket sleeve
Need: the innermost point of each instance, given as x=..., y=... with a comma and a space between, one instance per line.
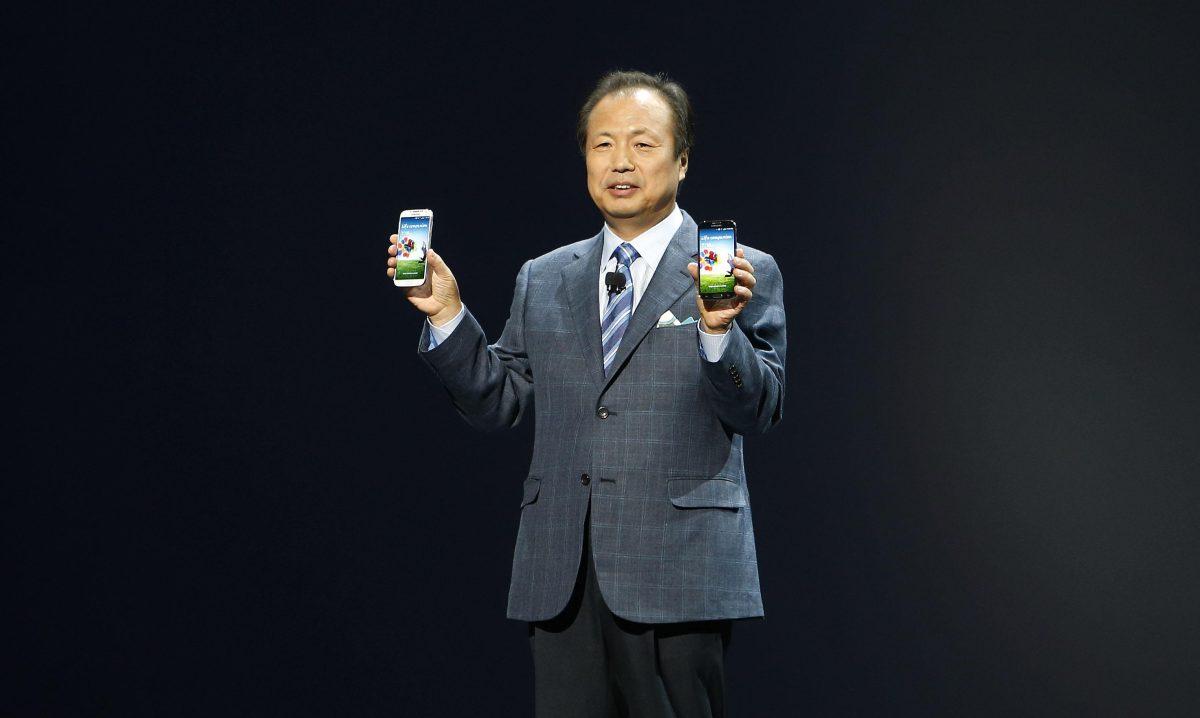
x=491, y=385
x=746, y=385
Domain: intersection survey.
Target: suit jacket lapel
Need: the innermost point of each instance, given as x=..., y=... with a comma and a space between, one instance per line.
x=581, y=281
x=670, y=280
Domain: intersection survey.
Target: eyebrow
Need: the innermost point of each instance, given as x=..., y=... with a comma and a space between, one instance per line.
x=635, y=131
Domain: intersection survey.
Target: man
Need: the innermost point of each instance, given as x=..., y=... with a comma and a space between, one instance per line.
x=635, y=548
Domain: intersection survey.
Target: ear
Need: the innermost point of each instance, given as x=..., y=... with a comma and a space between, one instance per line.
x=683, y=166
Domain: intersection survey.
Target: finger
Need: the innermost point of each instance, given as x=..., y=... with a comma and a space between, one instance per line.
x=391, y=272
x=392, y=250
x=692, y=270
x=739, y=252
x=394, y=238
x=391, y=261
x=743, y=263
x=745, y=278
x=743, y=292
x=437, y=263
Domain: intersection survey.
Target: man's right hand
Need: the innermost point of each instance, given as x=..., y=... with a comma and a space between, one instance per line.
x=438, y=296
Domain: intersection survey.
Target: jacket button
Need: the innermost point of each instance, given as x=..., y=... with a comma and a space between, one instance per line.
x=585, y=479
x=602, y=412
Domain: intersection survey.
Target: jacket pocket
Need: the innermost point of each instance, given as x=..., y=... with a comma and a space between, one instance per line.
x=530, y=490
x=693, y=492
x=678, y=327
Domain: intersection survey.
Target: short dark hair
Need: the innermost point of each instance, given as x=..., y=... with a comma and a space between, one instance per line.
x=623, y=80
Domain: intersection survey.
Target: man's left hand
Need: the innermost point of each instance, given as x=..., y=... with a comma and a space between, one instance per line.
x=718, y=314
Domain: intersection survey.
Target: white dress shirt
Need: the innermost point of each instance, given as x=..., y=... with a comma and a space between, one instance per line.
x=650, y=245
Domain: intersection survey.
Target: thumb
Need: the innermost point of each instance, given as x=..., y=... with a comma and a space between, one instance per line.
x=438, y=264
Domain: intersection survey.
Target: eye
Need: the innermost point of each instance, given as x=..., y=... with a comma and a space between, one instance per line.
x=643, y=145
x=602, y=145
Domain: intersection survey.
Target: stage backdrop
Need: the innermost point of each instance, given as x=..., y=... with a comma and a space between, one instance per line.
x=238, y=492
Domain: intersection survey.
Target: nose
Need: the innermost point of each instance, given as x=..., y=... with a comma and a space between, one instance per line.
x=622, y=159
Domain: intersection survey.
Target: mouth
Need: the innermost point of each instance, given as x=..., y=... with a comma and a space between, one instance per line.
x=621, y=189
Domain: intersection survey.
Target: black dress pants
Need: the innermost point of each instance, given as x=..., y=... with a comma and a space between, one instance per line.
x=589, y=663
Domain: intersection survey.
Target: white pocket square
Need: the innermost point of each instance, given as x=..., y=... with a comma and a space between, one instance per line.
x=668, y=319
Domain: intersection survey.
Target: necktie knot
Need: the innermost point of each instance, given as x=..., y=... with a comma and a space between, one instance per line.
x=625, y=254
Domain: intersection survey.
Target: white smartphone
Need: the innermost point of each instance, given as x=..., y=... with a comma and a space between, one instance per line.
x=415, y=234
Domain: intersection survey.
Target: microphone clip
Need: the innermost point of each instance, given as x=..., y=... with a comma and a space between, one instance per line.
x=615, y=281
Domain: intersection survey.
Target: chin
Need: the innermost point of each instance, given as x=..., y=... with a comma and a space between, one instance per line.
x=623, y=212
x=618, y=208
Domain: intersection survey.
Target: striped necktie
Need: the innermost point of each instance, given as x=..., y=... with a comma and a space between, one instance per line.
x=620, y=306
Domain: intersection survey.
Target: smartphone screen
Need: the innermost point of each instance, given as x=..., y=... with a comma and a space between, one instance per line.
x=715, y=259
x=410, y=251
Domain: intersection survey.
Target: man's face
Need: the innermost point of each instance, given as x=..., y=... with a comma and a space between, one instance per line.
x=632, y=172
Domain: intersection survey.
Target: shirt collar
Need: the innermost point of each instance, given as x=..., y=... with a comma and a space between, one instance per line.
x=651, y=244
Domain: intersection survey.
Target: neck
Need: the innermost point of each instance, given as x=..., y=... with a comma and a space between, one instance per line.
x=629, y=227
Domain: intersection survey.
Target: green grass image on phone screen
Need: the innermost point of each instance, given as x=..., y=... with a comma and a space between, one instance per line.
x=710, y=284
x=410, y=269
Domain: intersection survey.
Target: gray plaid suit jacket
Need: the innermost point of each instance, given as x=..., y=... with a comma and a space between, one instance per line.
x=656, y=447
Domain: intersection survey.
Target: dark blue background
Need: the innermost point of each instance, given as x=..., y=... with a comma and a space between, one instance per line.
x=983, y=497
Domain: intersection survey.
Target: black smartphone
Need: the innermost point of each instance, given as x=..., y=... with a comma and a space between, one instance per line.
x=716, y=246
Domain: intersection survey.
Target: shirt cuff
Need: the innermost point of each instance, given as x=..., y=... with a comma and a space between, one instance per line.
x=440, y=334
x=712, y=346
